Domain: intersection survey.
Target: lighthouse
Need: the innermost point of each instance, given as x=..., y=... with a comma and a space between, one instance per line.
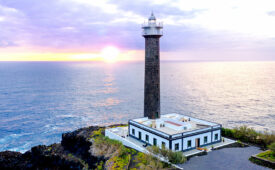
x=172, y=131
x=152, y=31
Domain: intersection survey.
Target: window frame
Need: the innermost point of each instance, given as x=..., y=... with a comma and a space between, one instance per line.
x=163, y=144
x=205, y=139
x=147, y=138
x=155, y=142
x=177, y=146
x=216, y=136
x=139, y=135
x=189, y=145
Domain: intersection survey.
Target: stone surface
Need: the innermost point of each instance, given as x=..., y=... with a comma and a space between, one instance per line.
x=152, y=77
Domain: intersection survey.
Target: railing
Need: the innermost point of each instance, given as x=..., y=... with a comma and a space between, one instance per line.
x=138, y=125
x=152, y=24
x=152, y=32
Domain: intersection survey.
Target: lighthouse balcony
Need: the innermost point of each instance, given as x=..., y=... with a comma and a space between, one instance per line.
x=152, y=31
x=152, y=24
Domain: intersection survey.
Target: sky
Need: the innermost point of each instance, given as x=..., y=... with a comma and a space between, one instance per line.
x=69, y=30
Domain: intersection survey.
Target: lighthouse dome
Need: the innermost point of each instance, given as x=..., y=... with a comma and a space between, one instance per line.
x=152, y=17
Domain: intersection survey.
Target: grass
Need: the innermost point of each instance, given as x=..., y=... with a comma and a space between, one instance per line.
x=268, y=155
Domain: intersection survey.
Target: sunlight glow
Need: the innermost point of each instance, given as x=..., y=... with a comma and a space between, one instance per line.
x=110, y=54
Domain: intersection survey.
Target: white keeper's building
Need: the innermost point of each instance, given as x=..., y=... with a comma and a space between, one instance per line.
x=175, y=131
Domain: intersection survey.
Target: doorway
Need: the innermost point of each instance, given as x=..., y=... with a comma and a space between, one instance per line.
x=198, y=142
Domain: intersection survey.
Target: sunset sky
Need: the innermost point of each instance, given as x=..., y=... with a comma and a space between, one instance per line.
x=34, y=30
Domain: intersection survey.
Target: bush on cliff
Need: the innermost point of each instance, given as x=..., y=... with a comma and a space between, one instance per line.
x=148, y=162
x=173, y=157
x=245, y=134
x=117, y=156
x=272, y=147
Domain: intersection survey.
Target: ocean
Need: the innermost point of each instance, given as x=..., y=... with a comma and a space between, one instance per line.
x=41, y=100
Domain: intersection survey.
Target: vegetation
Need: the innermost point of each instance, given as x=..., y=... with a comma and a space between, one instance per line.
x=85, y=165
x=148, y=162
x=100, y=166
x=272, y=147
x=117, y=154
x=268, y=155
x=120, y=157
x=245, y=134
x=173, y=157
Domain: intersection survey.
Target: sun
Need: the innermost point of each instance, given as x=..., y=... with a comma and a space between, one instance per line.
x=110, y=54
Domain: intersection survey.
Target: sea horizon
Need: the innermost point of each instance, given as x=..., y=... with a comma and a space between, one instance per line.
x=41, y=100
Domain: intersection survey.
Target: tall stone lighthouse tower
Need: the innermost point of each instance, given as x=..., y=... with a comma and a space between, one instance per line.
x=152, y=31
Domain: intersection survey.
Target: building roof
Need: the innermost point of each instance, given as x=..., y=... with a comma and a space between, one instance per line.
x=172, y=124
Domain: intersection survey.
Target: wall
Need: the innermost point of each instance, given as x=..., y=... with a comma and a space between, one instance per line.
x=219, y=135
x=193, y=140
x=125, y=142
x=151, y=136
x=179, y=141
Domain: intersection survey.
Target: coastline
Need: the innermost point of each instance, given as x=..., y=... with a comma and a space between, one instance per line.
x=73, y=152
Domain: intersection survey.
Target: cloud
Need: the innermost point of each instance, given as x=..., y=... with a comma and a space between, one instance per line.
x=271, y=13
x=83, y=25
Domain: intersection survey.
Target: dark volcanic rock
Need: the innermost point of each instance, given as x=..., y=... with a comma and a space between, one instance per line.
x=72, y=153
x=13, y=160
x=53, y=157
x=38, y=158
x=78, y=142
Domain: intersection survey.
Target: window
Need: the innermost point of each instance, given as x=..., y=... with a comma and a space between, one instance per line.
x=157, y=114
x=139, y=135
x=147, y=138
x=157, y=56
x=205, y=139
x=133, y=131
x=216, y=136
x=162, y=144
x=176, y=146
x=189, y=143
x=155, y=141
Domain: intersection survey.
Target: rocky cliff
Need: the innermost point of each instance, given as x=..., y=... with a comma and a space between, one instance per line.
x=71, y=153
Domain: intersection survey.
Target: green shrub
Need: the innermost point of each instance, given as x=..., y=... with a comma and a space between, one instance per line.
x=245, y=134
x=267, y=138
x=100, y=166
x=227, y=132
x=148, y=162
x=154, y=149
x=272, y=147
x=268, y=155
x=164, y=152
x=173, y=157
x=176, y=157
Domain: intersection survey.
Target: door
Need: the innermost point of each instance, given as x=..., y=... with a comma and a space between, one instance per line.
x=198, y=142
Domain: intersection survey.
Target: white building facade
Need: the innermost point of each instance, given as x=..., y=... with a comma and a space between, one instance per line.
x=199, y=134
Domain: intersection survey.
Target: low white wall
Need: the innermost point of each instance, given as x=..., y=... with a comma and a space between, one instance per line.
x=125, y=142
